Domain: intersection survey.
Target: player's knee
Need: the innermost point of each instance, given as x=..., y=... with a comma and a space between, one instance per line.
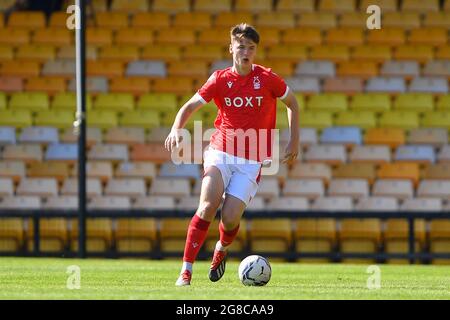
x=230, y=222
x=207, y=210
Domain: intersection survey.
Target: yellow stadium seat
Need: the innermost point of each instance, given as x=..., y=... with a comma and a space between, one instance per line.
x=2, y=20
x=420, y=102
x=442, y=52
x=361, y=119
x=228, y=19
x=27, y=19
x=35, y=52
x=215, y=7
x=385, y=5
x=140, y=118
x=288, y=53
x=179, y=36
x=213, y=36
x=168, y=52
x=98, y=233
x=111, y=20
x=99, y=36
x=16, y=118
x=136, y=235
x=172, y=233
x=29, y=101
x=335, y=53
x=386, y=36
x=49, y=85
x=14, y=37
x=207, y=53
x=134, y=37
x=53, y=37
x=134, y=86
x=276, y=20
x=253, y=6
x=420, y=6
x=270, y=235
x=17, y=68
x=316, y=119
x=53, y=234
x=193, y=69
x=58, y=19
x=420, y=53
x=68, y=101
x=119, y=53
x=401, y=170
x=55, y=169
x=352, y=19
x=428, y=36
x=405, y=20
x=158, y=102
x=436, y=119
x=443, y=102
x=114, y=101
x=439, y=237
x=392, y=137
x=68, y=52
x=130, y=6
x=331, y=102
x=337, y=6
x=6, y=53
x=109, y=69
x=171, y=6
x=321, y=20
x=358, y=69
x=177, y=85
x=437, y=19
x=296, y=6
x=150, y=20
x=365, y=171
x=281, y=67
x=11, y=234
x=345, y=36
x=372, y=53
x=2, y=101
x=308, y=36
x=269, y=37
x=399, y=119
x=315, y=236
x=375, y=102
x=55, y=118
x=360, y=236
x=11, y=84
x=103, y=119
x=193, y=20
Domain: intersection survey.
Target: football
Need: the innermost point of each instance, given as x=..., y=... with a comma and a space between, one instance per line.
x=255, y=271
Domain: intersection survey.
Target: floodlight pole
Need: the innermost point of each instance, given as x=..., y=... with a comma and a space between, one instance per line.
x=80, y=43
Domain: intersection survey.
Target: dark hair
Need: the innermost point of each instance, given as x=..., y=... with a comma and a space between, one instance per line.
x=244, y=30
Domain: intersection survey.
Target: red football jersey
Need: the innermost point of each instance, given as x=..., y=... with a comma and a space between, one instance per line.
x=246, y=110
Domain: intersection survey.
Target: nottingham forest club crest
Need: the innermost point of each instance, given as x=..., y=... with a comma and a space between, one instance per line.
x=256, y=83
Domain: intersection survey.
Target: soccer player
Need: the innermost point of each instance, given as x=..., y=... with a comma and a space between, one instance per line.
x=245, y=95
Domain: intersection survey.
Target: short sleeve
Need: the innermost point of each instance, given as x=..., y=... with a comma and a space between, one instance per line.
x=278, y=86
x=208, y=91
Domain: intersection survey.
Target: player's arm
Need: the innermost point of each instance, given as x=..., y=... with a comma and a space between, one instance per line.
x=291, y=151
x=174, y=137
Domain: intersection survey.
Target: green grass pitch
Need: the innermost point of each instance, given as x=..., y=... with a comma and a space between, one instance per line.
x=46, y=278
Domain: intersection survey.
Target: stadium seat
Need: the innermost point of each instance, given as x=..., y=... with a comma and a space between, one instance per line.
x=308, y=136
x=377, y=203
x=14, y=37
x=189, y=203
x=320, y=20
x=360, y=119
x=305, y=37
x=42, y=187
x=370, y=154
x=213, y=37
x=134, y=36
x=392, y=36
x=422, y=204
x=174, y=85
x=352, y=19
x=216, y=8
x=154, y=203
x=24, y=152
x=14, y=170
x=20, y=202
x=130, y=187
x=99, y=235
x=164, y=52
x=153, y=152
x=305, y=85
x=398, y=188
x=366, y=171
x=136, y=235
x=53, y=233
x=7, y=135
x=415, y=153
x=35, y=53
x=345, y=36
x=437, y=68
x=331, y=154
x=434, y=189
x=341, y=135
x=400, y=170
x=295, y=6
x=171, y=170
x=270, y=235
x=405, y=20
x=56, y=118
x=327, y=102
x=151, y=20
x=439, y=235
x=56, y=170
x=158, y=102
x=11, y=84
x=6, y=187
x=178, y=36
x=158, y=134
x=29, y=101
x=176, y=187
x=377, y=53
x=208, y=53
x=334, y=203
x=439, y=119
x=437, y=171
x=111, y=152
x=102, y=119
x=360, y=236
x=145, y=170
x=140, y=118
x=376, y=102
x=288, y=204
x=94, y=135
x=269, y=188
x=311, y=171
x=392, y=137
x=114, y=101
x=121, y=53
x=99, y=36
x=170, y=6
x=27, y=20
x=419, y=53
x=428, y=36
x=62, y=69
x=53, y=36
x=429, y=85
x=111, y=20
x=107, y=69
x=436, y=19
x=359, y=69
x=192, y=20
x=355, y=188
x=316, y=119
x=130, y=6
x=191, y=69
x=69, y=52
x=67, y=101
x=399, y=119
x=172, y=234
x=275, y=20
x=414, y=102
x=443, y=102
x=93, y=85
x=306, y=188
x=6, y=53
x=42, y=135
x=11, y=234
x=125, y=135
x=97, y=169
x=109, y=202
x=404, y=69
x=334, y=53
x=70, y=187
x=387, y=85
x=349, y=86
x=320, y=69
x=257, y=6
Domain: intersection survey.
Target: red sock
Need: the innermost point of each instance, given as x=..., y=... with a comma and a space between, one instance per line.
x=196, y=235
x=227, y=237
